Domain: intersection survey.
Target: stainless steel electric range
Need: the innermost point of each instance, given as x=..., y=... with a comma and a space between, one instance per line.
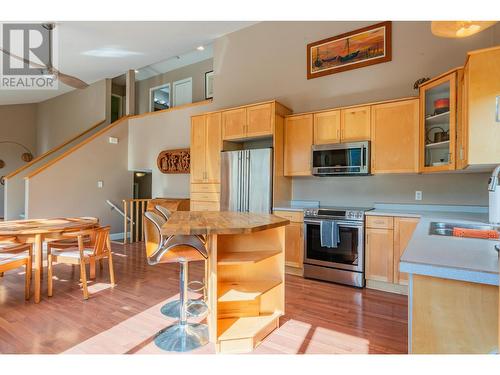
x=344, y=262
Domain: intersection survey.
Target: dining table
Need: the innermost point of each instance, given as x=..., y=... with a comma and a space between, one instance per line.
x=38, y=231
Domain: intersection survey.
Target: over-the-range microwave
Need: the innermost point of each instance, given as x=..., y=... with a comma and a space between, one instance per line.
x=341, y=159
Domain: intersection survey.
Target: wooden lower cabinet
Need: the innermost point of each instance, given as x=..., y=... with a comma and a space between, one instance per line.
x=379, y=254
x=452, y=317
x=205, y=206
x=294, y=241
x=386, y=239
x=403, y=230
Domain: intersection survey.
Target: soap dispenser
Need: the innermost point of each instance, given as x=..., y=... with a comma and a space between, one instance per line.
x=494, y=196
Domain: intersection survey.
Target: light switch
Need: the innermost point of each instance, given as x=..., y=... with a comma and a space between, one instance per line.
x=113, y=140
x=418, y=195
x=100, y=184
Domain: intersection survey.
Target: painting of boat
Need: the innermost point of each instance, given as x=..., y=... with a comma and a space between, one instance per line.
x=363, y=47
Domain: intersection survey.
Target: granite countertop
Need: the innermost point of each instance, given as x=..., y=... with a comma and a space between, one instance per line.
x=466, y=259
x=212, y=222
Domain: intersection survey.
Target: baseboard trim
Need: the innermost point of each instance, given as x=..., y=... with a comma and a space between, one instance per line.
x=117, y=236
x=387, y=287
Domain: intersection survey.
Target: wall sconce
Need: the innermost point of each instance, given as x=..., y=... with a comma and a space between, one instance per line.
x=25, y=156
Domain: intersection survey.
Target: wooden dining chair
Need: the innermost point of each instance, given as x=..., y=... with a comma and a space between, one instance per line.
x=98, y=248
x=14, y=255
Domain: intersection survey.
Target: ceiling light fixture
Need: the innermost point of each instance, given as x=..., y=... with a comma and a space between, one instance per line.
x=111, y=52
x=459, y=29
x=136, y=71
x=200, y=48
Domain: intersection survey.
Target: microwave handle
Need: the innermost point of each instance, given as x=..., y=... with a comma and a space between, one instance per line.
x=363, y=157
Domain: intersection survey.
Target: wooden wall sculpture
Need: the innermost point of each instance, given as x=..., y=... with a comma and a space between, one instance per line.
x=174, y=161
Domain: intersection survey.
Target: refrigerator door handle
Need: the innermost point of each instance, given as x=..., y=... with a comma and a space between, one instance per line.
x=240, y=177
x=246, y=182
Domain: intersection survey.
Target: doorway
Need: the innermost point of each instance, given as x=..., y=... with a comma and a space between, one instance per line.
x=143, y=184
x=159, y=98
x=116, y=107
x=183, y=91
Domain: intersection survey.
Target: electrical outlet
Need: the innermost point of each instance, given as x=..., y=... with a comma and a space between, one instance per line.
x=100, y=184
x=113, y=140
x=418, y=195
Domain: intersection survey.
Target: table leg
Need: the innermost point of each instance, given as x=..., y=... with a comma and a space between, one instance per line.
x=38, y=265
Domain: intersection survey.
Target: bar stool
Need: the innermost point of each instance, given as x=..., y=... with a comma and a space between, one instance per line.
x=196, y=307
x=182, y=336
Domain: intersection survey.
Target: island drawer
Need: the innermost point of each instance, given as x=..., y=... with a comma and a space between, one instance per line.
x=381, y=222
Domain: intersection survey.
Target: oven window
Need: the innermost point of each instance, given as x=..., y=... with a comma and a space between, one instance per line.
x=332, y=158
x=346, y=252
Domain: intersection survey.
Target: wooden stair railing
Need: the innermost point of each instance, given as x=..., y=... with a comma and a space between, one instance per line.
x=133, y=208
x=54, y=150
x=133, y=212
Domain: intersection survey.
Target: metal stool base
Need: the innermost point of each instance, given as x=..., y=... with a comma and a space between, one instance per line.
x=182, y=337
x=195, y=308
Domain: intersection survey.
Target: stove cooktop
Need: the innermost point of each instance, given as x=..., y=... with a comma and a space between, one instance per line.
x=327, y=212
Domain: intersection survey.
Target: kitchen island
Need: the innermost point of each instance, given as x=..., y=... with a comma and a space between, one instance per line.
x=452, y=282
x=246, y=284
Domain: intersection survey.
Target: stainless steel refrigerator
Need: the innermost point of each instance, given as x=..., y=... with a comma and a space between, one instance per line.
x=246, y=180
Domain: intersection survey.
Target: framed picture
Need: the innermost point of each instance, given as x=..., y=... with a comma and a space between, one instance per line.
x=209, y=85
x=356, y=49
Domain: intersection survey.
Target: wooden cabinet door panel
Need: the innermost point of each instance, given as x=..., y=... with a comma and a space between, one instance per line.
x=234, y=124
x=395, y=137
x=403, y=230
x=213, y=147
x=198, y=144
x=294, y=245
x=298, y=142
x=204, y=206
x=259, y=120
x=327, y=127
x=379, y=254
x=356, y=124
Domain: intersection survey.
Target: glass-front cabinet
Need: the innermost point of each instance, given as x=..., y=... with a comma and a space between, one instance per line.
x=438, y=123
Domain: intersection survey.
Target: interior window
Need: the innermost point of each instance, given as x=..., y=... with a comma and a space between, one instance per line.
x=160, y=98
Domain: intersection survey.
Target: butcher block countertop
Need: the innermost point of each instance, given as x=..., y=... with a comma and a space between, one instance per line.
x=214, y=222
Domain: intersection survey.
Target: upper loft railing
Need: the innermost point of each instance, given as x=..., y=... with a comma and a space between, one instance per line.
x=52, y=151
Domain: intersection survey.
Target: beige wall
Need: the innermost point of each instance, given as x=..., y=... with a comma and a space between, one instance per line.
x=268, y=60
x=196, y=71
x=150, y=135
x=69, y=187
x=18, y=124
x=62, y=117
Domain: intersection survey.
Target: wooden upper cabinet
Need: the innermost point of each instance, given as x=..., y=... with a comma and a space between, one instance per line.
x=394, y=134
x=298, y=143
x=327, y=127
x=213, y=147
x=482, y=117
x=379, y=254
x=438, y=123
x=198, y=147
x=259, y=120
x=355, y=124
x=234, y=124
x=403, y=231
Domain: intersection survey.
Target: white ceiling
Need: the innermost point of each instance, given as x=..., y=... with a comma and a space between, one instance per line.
x=96, y=50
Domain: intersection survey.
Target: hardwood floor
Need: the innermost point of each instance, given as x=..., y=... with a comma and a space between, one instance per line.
x=320, y=317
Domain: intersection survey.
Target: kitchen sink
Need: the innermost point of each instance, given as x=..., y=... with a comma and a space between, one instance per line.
x=446, y=229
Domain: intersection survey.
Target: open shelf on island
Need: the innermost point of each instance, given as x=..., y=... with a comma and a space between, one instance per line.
x=242, y=257
x=444, y=144
x=244, y=291
x=248, y=327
